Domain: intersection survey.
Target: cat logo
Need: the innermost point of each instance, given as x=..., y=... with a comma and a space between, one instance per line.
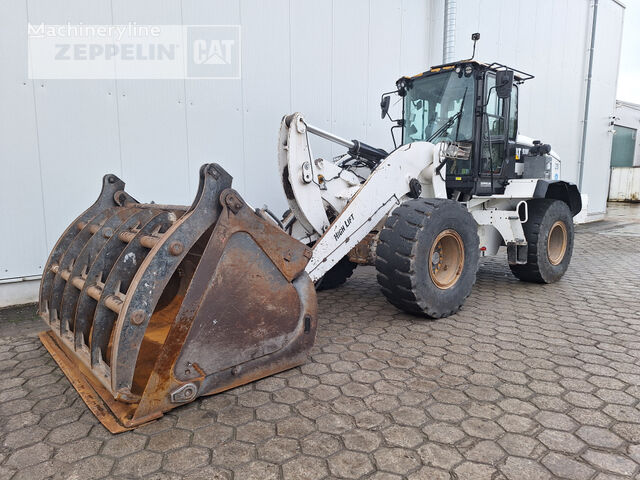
x=212, y=52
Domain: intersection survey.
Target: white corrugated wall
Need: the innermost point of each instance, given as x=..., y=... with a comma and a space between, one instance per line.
x=550, y=39
x=330, y=59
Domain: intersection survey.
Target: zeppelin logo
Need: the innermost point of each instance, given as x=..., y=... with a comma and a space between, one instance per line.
x=343, y=227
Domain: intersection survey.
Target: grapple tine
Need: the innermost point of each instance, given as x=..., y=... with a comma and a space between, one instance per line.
x=166, y=303
x=91, y=250
x=155, y=272
x=118, y=279
x=107, y=198
x=67, y=260
x=101, y=265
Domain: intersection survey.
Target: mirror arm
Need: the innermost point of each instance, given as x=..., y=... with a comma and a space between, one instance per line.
x=399, y=124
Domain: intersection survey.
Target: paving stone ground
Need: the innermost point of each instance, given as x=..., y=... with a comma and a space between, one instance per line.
x=525, y=382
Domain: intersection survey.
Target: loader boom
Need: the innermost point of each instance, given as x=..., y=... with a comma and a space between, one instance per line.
x=385, y=189
x=362, y=205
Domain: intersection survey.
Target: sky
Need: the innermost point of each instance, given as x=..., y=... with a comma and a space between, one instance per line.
x=629, y=76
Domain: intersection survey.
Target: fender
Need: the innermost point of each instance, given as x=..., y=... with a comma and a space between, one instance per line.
x=560, y=190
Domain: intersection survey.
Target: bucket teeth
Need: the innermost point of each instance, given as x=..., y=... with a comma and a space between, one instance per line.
x=148, y=309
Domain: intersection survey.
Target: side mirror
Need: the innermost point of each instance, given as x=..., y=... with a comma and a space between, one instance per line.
x=384, y=106
x=504, y=83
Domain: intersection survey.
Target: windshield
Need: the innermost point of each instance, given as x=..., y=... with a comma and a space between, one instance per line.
x=432, y=101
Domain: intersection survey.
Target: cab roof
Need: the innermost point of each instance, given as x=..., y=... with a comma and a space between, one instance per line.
x=519, y=76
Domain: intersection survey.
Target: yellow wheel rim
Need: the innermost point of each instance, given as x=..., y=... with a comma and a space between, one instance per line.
x=557, y=242
x=446, y=259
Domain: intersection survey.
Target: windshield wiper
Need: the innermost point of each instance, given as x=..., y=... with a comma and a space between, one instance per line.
x=464, y=97
x=450, y=120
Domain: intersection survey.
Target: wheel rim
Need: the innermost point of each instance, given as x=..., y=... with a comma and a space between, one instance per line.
x=557, y=242
x=446, y=259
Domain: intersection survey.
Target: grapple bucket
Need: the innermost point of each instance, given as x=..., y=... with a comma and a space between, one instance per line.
x=152, y=306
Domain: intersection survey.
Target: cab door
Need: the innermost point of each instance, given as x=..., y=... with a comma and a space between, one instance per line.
x=498, y=134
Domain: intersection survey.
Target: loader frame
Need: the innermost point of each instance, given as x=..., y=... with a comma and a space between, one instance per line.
x=363, y=206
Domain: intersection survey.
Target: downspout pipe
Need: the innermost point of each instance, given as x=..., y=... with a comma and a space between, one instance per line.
x=588, y=93
x=449, y=33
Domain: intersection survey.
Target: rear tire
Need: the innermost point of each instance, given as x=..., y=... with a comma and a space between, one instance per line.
x=337, y=276
x=549, y=233
x=427, y=257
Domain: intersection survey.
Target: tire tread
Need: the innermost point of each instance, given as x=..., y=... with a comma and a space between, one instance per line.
x=396, y=255
x=530, y=271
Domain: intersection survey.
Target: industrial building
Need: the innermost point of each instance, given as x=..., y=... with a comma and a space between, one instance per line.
x=330, y=60
x=624, y=185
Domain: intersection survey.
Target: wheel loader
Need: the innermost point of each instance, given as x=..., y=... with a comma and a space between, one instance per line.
x=151, y=306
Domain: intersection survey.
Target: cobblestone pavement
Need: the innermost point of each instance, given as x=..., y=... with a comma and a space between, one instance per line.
x=526, y=382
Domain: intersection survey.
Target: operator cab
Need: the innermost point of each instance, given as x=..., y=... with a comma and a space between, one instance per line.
x=473, y=107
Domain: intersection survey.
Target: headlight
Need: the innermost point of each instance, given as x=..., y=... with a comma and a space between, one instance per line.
x=468, y=70
x=402, y=85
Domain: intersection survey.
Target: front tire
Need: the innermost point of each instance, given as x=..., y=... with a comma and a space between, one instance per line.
x=427, y=257
x=337, y=276
x=549, y=233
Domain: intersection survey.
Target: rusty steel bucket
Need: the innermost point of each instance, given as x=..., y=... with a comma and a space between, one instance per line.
x=151, y=306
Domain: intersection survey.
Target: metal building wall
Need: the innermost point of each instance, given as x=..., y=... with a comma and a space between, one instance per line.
x=624, y=184
x=550, y=39
x=628, y=115
x=599, y=135
x=328, y=59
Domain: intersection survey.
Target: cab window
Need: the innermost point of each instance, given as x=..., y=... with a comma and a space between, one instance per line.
x=513, y=114
x=493, y=129
x=434, y=100
x=495, y=107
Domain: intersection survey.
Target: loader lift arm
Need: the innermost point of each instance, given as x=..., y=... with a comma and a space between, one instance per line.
x=361, y=206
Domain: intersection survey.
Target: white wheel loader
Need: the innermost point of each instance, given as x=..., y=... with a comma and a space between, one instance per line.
x=461, y=184
x=152, y=306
